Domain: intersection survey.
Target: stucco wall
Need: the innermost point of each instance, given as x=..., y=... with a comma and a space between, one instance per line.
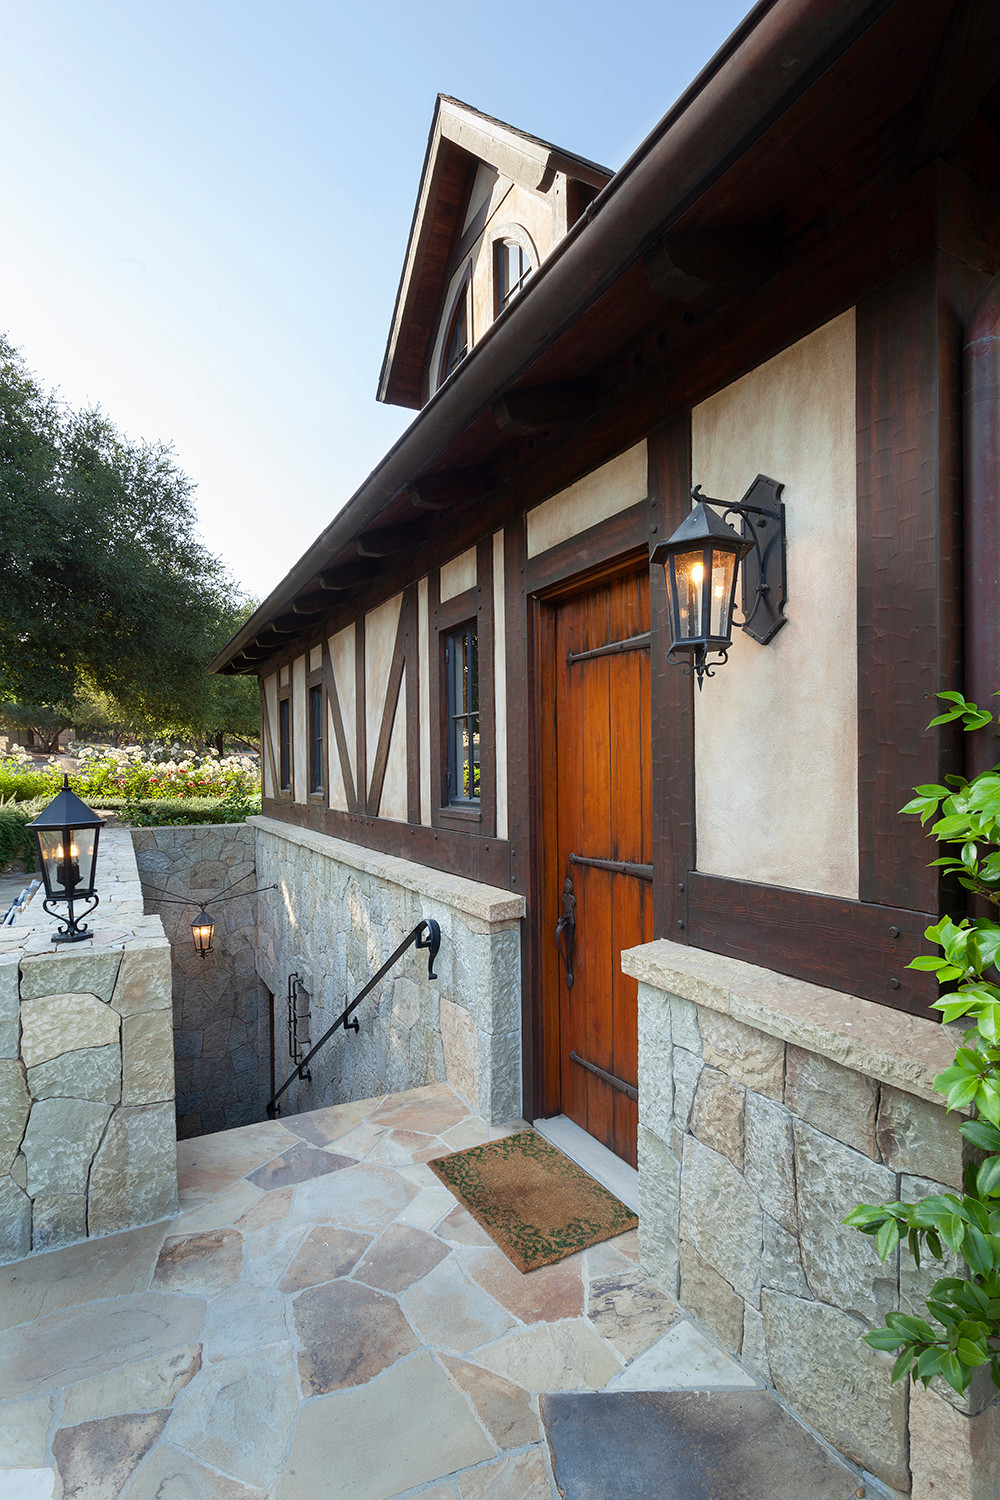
x=776, y=749
x=221, y=1027
x=605, y=492
x=338, y=913
x=87, y=1142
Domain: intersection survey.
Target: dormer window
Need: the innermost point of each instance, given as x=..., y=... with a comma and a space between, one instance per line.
x=511, y=270
x=456, y=345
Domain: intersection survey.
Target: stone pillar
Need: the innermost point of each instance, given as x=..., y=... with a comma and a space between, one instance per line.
x=769, y=1108
x=87, y=1140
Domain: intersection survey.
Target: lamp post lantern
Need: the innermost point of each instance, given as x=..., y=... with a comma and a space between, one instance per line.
x=66, y=833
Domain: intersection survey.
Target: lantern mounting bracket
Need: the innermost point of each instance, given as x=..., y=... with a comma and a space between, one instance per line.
x=764, y=578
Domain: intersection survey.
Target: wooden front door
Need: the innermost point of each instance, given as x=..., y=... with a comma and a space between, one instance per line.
x=598, y=875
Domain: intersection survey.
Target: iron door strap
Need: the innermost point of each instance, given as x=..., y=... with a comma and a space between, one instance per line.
x=566, y=931
x=616, y=1083
x=616, y=866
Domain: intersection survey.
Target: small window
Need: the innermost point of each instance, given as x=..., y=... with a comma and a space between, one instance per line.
x=512, y=268
x=461, y=657
x=457, y=343
x=316, y=739
x=284, y=746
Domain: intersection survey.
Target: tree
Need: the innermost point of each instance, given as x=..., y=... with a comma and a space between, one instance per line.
x=105, y=586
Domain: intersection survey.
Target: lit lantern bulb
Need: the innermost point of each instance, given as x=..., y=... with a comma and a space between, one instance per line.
x=697, y=572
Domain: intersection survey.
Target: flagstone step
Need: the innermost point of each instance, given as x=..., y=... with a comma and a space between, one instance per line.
x=687, y=1445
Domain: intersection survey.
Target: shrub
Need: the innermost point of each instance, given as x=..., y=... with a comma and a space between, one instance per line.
x=16, y=841
x=965, y=1334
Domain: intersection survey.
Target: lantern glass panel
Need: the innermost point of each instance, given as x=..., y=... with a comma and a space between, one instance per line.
x=688, y=569
x=68, y=858
x=203, y=932
x=723, y=581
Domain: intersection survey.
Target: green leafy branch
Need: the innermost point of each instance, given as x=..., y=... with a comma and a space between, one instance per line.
x=965, y=1334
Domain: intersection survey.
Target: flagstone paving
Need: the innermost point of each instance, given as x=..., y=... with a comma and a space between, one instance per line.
x=321, y=1320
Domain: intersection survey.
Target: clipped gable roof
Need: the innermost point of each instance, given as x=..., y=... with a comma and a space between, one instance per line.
x=461, y=140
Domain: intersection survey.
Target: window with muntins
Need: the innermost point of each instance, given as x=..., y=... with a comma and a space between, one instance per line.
x=316, y=739
x=461, y=658
x=512, y=269
x=457, y=343
x=284, y=745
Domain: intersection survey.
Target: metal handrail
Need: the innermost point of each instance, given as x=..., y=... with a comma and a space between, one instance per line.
x=432, y=942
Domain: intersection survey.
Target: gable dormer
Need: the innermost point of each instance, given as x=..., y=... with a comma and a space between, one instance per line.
x=492, y=204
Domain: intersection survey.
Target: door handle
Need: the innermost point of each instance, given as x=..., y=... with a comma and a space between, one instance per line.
x=566, y=931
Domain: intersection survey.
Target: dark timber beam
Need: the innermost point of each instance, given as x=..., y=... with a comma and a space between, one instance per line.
x=966, y=66
x=388, y=541
x=308, y=604
x=537, y=408
x=351, y=576
x=439, y=491
x=682, y=267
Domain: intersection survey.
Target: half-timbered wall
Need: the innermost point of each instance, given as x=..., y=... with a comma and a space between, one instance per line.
x=776, y=740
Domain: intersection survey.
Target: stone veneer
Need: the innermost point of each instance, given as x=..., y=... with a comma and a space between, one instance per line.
x=768, y=1108
x=338, y=913
x=87, y=1143
x=221, y=1024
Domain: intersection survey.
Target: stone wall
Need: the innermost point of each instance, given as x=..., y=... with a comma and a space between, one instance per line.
x=338, y=913
x=87, y=1143
x=221, y=1022
x=768, y=1109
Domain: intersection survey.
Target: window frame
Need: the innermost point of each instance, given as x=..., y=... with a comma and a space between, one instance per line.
x=284, y=733
x=502, y=299
x=475, y=607
x=316, y=693
x=464, y=637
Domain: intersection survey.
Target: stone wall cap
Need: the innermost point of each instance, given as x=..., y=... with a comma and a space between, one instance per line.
x=120, y=916
x=485, y=903
x=891, y=1046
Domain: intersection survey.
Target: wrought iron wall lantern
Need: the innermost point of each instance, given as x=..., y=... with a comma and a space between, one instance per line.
x=701, y=562
x=203, y=926
x=66, y=833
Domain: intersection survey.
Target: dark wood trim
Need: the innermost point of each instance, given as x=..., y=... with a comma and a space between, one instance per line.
x=852, y=946
x=521, y=781
x=487, y=690
x=339, y=733
x=909, y=508
x=608, y=539
x=388, y=719
x=485, y=860
x=459, y=608
x=360, y=715
x=669, y=456
x=438, y=705
x=414, y=666
x=549, y=876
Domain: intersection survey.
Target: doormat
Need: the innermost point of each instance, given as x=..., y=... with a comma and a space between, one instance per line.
x=532, y=1200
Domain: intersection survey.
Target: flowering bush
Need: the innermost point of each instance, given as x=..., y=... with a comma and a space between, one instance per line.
x=133, y=772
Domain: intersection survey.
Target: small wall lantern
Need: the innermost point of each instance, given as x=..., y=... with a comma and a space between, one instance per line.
x=701, y=563
x=66, y=833
x=203, y=932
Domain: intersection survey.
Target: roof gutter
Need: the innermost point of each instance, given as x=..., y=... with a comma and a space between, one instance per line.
x=775, y=54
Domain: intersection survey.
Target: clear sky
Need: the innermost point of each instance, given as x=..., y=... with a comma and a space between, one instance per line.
x=204, y=208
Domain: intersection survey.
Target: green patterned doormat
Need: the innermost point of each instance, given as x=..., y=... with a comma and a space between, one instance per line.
x=534, y=1202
